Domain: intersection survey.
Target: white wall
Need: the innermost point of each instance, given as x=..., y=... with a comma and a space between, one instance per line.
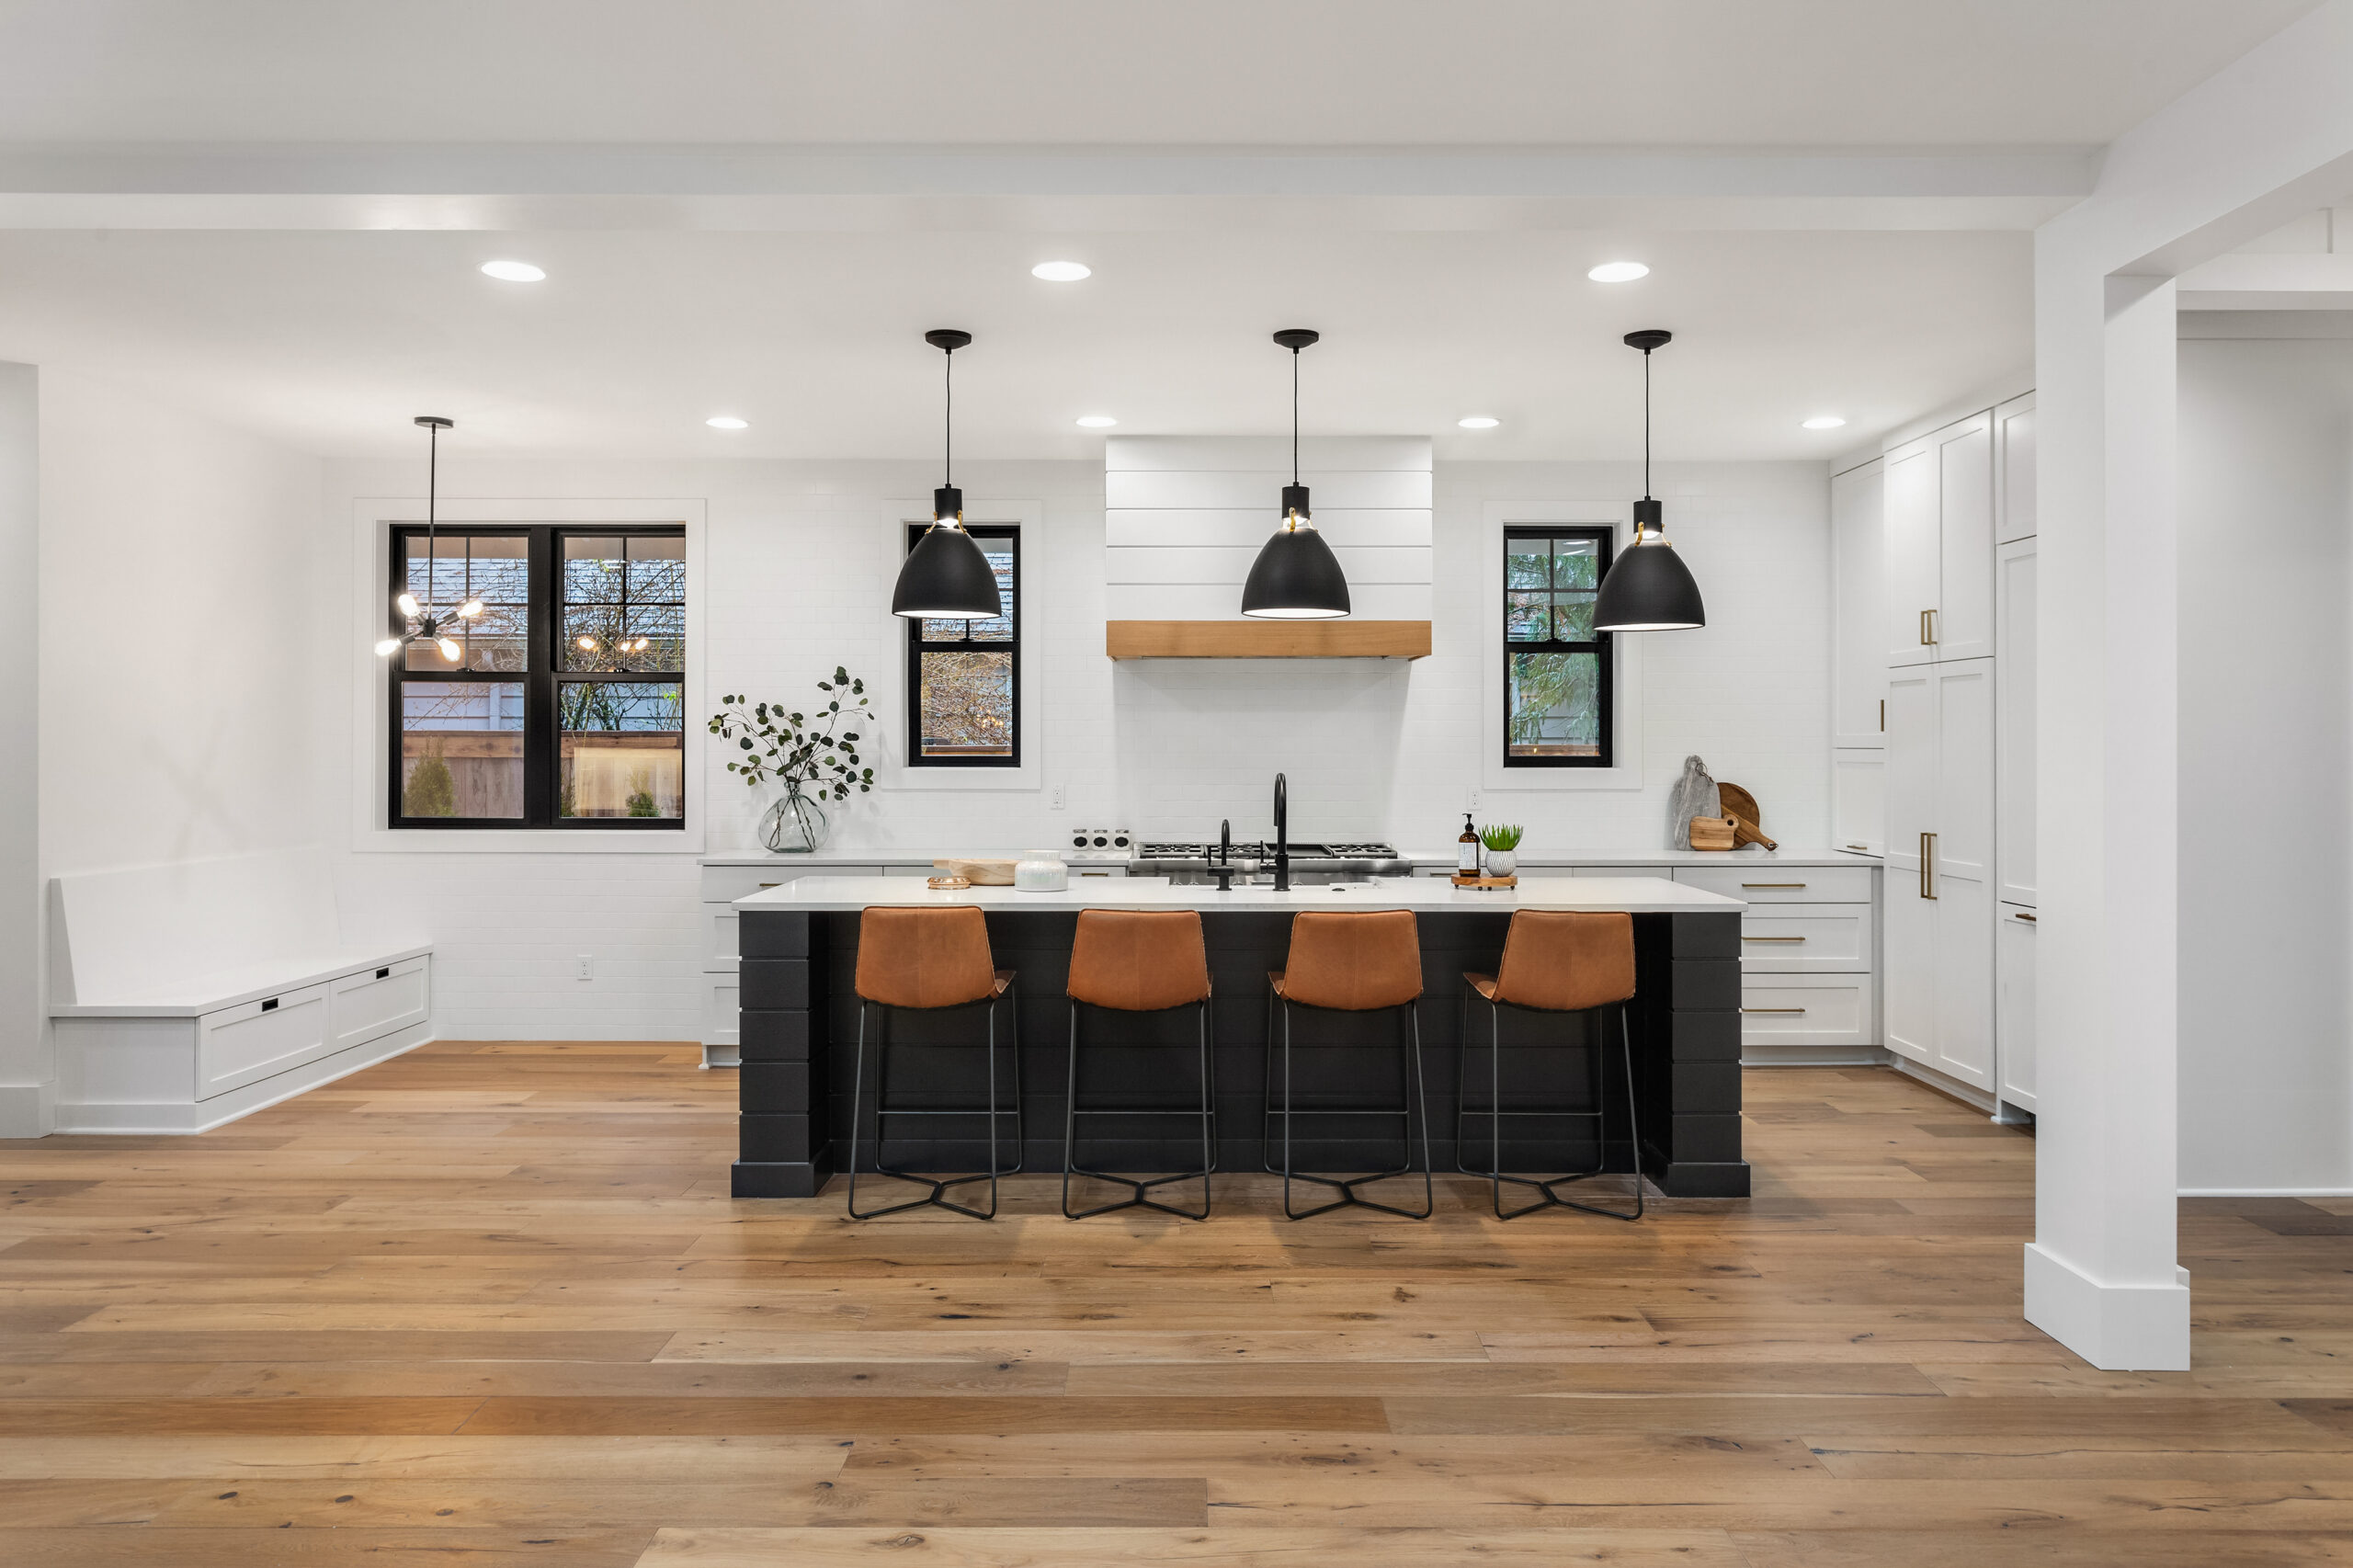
x=800, y=557
x=23, y=1050
x=2267, y=765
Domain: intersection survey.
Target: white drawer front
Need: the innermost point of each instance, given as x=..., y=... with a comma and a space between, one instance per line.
x=1782, y=884
x=722, y=997
x=726, y=884
x=1805, y=938
x=723, y=930
x=240, y=1045
x=376, y=1002
x=1805, y=1009
x=1664, y=873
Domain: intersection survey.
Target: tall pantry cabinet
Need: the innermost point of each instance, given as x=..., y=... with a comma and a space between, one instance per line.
x=1948, y=624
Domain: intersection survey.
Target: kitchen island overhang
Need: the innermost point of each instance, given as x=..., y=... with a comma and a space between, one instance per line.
x=800, y=1015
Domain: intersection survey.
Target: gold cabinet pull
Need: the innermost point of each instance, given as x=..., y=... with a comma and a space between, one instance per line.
x=2025, y=917
x=1927, y=863
x=1882, y=715
x=1928, y=632
x=1772, y=884
x=1772, y=938
x=1772, y=1009
x=1863, y=847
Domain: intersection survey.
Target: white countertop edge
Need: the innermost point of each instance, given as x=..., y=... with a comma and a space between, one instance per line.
x=1632, y=895
x=235, y=988
x=1545, y=860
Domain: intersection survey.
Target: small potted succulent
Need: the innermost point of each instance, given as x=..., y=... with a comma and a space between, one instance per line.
x=809, y=755
x=1502, y=840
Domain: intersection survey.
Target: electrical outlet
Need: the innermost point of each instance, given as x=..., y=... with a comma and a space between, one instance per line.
x=1057, y=798
x=587, y=967
x=1471, y=801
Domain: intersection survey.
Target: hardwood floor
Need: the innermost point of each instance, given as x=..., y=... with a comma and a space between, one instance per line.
x=491, y=1305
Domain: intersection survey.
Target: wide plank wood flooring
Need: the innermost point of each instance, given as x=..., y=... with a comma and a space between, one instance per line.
x=491, y=1305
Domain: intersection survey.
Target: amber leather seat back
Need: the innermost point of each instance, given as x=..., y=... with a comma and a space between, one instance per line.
x=924, y=957
x=1354, y=962
x=1563, y=960
x=1139, y=960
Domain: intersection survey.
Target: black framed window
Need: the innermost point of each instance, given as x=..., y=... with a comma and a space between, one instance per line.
x=1558, y=689
x=566, y=707
x=965, y=677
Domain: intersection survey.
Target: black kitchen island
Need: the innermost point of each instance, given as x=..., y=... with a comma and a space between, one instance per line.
x=799, y=1036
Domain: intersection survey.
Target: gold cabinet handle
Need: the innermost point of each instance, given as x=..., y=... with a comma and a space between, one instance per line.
x=2025, y=917
x=1772, y=938
x=1864, y=847
x=1927, y=863
x=1772, y=884
x=1772, y=1009
x=1882, y=715
x=1927, y=630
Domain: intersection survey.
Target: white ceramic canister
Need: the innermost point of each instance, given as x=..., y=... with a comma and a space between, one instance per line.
x=1041, y=870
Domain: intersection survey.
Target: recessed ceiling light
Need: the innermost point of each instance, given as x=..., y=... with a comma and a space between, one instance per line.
x=1061, y=271
x=1095, y=422
x=727, y=422
x=1826, y=422
x=514, y=271
x=1478, y=422
x=1618, y=272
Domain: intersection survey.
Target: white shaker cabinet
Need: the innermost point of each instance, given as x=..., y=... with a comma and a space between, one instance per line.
x=1939, y=546
x=2014, y=983
x=2014, y=715
x=1939, y=888
x=1858, y=589
x=2013, y=469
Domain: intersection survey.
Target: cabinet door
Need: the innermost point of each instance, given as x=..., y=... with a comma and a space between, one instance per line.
x=1859, y=590
x=1961, y=872
x=1963, y=625
x=2013, y=470
x=1859, y=801
x=1911, y=567
x=1909, y=934
x=2014, y=678
x=2014, y=985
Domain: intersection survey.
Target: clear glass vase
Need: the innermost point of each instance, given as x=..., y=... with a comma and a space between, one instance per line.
x=794, y=826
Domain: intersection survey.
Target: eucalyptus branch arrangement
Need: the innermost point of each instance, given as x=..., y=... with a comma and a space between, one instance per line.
x=1503, y=836
x=807, y=754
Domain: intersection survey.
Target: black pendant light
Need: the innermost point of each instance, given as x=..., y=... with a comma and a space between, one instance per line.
x=946, y=576
x=427, y=623
x=1296, y=576
x=1648, y=588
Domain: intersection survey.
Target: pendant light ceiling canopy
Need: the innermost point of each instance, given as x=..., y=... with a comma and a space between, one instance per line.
x=1648, y=587
x=946, y=576
x=1296, y=576
x=424, y=622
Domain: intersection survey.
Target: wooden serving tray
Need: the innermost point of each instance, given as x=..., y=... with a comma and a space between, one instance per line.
x=1488, y=884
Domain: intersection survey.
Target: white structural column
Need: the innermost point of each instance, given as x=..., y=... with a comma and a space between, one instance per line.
x=2100, y=1275
x=25, y=1088
x=2266, y=138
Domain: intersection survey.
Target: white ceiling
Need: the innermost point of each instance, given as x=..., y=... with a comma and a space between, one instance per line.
x=331, y=341
x=1320, y=72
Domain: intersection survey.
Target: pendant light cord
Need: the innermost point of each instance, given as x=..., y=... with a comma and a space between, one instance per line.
x=1295, y=416
x=1647, y=423
x=947, y=418
x=432, y=514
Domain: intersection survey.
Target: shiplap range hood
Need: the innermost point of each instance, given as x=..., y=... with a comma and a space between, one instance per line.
x=1183, y=516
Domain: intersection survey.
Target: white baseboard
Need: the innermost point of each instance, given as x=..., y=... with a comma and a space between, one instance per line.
x=2119, y=1328
x=203, y=1116
x=1967, y=1093
x=27, y=1110
x=1812, y=1056
x=721, y=1056
x=687, y=1034
x=2267, y=1192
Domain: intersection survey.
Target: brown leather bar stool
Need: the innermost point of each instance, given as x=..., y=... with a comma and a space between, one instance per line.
x=1554, y=961
x=1134, y=961
x=1352, y=962
x=928, y=960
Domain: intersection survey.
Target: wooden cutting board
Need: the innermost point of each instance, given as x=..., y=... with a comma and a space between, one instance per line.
x=1740, y=806
x=982, y=874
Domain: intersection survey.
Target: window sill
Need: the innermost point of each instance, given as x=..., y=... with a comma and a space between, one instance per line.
x=527, y=841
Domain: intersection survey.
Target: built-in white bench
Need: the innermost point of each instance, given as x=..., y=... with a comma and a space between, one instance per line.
x=189, y=994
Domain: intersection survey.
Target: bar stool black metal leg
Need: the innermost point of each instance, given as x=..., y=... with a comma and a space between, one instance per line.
x=1138, y=1190
x=1416, y=1110
x=994, y=1111
x=1550, y=1197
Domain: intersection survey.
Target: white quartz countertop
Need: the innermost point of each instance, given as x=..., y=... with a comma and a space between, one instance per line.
x=821, y=858
x=1634, y=895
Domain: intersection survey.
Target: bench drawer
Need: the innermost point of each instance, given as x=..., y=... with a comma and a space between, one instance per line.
x=1782, y=884
x=1805, y=938
x=1806, y=1009
x=377, y=1001
x=242, y=1045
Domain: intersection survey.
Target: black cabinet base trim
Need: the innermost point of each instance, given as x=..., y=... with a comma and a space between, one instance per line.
x=1693, y=1178
x=748, y=1178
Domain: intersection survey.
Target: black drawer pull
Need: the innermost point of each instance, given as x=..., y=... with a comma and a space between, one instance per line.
x=383, y=974
x=271, y=1005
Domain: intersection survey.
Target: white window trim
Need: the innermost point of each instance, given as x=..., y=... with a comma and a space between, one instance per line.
x=372, y=524
x=890, y=687
x=1626, y=655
